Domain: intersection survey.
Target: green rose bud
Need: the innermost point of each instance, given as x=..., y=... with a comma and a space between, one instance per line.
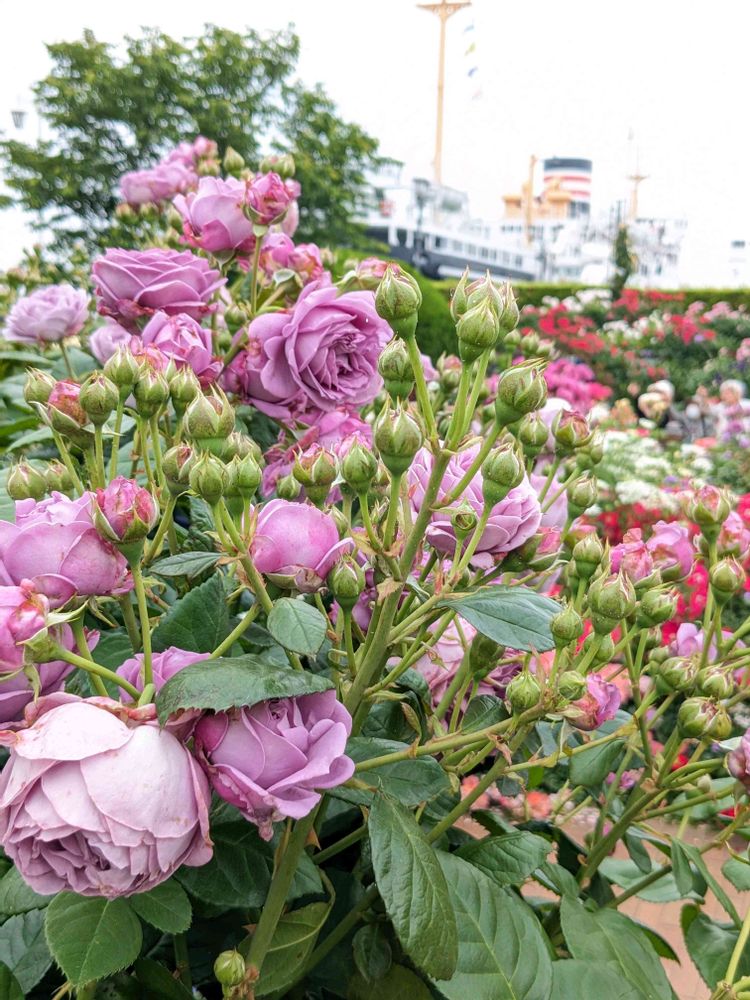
x=232, y=162
x=229, y=969
x=208, y=478
x=287, y=488
x=512, y=340
x=176, y=465
x=613, y=597
x=700, y=718
x=209, y=420
x=183, y=389
x=398, y=438
x=509, y=314
x=99, y=396
x=570, y=431
x=397, y=300
x=463, y=520
x=587, y=556
x=591, y=454
x=656, y=607
x=316, y=470
x=26, y=483
x=604, y=652
x=571, y=685
x=346, y=581
x=477, y=330
x=358, y=468
x=530, y=344
x=727, y=578
x=151, y=392
x=679, y=673
x=533, y=434
x=279, y=163
x=709, y=508
x=57, y=477
x=122, y=370
x=713, y=682
x=523, y=692
x=502, y=470
x=459, y=303
x=582, y=494
x=243, y=477
x=566, y=627
x=520, y=390
x=484, y=654
x=38, y=386
x=395, y=369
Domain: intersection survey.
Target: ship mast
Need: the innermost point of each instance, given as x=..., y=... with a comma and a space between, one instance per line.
x=444, y=10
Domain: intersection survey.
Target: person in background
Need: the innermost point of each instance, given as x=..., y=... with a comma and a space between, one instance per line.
x=699, y=419
x=657, y=403
x=732, y=412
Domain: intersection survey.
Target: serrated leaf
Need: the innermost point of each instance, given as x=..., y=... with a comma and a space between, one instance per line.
x=513, y=616
x=590, y=767
x=371, y=951
x=502, y=951
x=710, y=945
x=297, y=626
x=188, y=564
x=696, y=858
x=291, y=946
x=508, y=859
x=484, y=711
x=683, y=873
x=18, y=897
x=637, y=852
x=10, y=988
x=23, y=948
x=199, y=621
x=735, y=871
x=234, y=682
x=165, y=907
x=113, y=648
x=411, y=781
x=237, y=875
x=413, y=888
x=91, y=937
x=574, y=979
x=607, y=936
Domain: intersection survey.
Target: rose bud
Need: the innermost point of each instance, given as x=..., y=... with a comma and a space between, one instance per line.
x=533, y=434
x=571, y=431
x=271, y=759
x=316, y=469
x=541, y=551
x=122, y=370
x=287, y=487
x=523, y=692
x=713, y=682
x=727, y=578
x=26, y=483
x=449, y=367
x=605, y=649
x=124, y=514
x=512, y=340
x=57, y=477
x=656, y=607
x=38, y=386
x=464, y=519
x=597, y=706
x=502, y=470
x=529, y=344
x=587, y=556
x=67, y=416
x=571, y=685
x=282, y=163
x=582, y=494
x=520, y=390
x=98, y=800
x=459, y=301
x=183, y=388
x=229, y=967
x=483, y=655
x=358, y=468
x=397, y=301
x=208, y=478
x=679, y=673
x=613, y=597
x=244, y=476
x=709, y=507
x=509, y=314
x=176, y=465
x=701, y=718
x=267, y=199
x=233, y=164
x=151, y=391
x=346, y=581
x=209, y=420
x=395, y=369
x=398, y=438
x=483, y=290
x=733, y=540
x=566, y=626
x=738, y=761
x=477, y=331
x=241, y=445
x=235, y=318
x=98, y=397
x=591, y=454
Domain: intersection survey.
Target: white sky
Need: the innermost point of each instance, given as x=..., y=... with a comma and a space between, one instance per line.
x=555, y=79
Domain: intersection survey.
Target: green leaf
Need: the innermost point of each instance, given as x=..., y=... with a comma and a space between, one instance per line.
x=411, y=781
x=736, y=871
x=513, y=616
x=683, y=873
x=10, y=988
x=199, y=621
x=510, y=859
x=483, y=711
x=297, y=626
x=91, y=938
x=372, y=953
x=626, y=874
x=608, y=936
x=557, y=879
x=718, y=890
x=290, y=948
x=113, y=648
x=637, y=851
x=413, y=888
x=575, y=980
x=237, y=875
x=710, y=945
x=234, y=682
x=399, y=983
x=165, y=907
x=187, y=564
x=502, y=951
x=159, y=982
x=18, y=897
x=33, y=437
x=23, y=948
x=591, y=767
x=25, y=358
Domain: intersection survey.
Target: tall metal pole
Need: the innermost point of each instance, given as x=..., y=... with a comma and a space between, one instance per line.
x=444, y=10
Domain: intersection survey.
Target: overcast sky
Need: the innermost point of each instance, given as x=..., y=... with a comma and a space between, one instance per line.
x=551, y=78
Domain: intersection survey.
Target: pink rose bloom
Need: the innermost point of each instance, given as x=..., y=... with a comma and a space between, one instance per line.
x=270, y=759
x=156, y=184
x=97, y=799
x=319, y=356
x=55, y=545
x=632, y=556
x=130, y=284
x=105, y=340
x=290, y=222
x=738, y=761
x=213, y=216
x=23, y=613
x=268, y=198
x=125, y=511
x=430, y=372
x=204, y=148
x=280, y=252
x=163, y=665
x=185, y=341
x=47, y=315
x=512, y=521
x=371, y=270
x=688, y=641
x=734, y=537
x=597, y=706
x=671, y=549
x=296, y=545
x=64, y=398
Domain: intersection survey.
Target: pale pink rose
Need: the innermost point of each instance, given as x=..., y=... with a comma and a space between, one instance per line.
x=214, y=217
x=184, y=341
x=49, y=314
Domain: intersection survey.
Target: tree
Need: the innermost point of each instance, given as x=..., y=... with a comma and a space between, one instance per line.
x=109, y=114
x=623, y=261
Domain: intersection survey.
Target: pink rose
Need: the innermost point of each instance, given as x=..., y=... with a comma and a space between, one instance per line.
x=512, y=521
x=185, y=341
x=55, y=545
x=734, y=537
x=99, y=800
x=632, y=556
x=268, y=198
x=156, y=184
x=164, y=665
x=689, y=640
x=134, y=283
x=296, y=545
x=270, y=760
x=319, y=356
x=280, y=252
x=738, y=761
x=290, y=222
x=671, y=549
x=125, y=511
x=105, y=340
x=213, y=216
x=23, y=613
x=597, y=706
x=47, y=315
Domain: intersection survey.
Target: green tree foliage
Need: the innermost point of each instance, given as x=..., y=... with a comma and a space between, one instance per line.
x=109, y=113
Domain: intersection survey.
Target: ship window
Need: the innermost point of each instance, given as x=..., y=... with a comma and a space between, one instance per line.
x=738, y=244
x=484, y=252
x=493, y=254
x=518, y=260
x=471, y=249
x=458, y=246
x=401, y=237
x=439, y=242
